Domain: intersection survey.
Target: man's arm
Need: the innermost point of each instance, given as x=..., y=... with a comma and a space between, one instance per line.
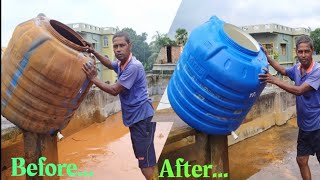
x=91, y=72
x=274, y=63
x=296, y=90
x=104, y=60
x=113, y=89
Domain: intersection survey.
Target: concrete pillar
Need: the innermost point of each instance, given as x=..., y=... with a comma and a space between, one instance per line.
x=32, y=150
x=40, y=145
x=49, y=149
x=202, y=144
x=219, y=155
x=155, y=172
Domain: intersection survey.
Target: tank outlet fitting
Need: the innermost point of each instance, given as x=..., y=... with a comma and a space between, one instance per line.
x=235, y=136
x=60, y=136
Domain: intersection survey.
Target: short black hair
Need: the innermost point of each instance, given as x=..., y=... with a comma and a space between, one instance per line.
x=41, y=14
x=122, y=34
x=304, y=39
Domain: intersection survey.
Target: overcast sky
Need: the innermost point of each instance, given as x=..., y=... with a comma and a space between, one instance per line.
x=141, y=15
x=291, y=13
x=157, y=15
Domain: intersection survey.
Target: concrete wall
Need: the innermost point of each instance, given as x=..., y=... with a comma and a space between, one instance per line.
x=265, y=38
x=273, y=107
x=277, y=40
x=175, y=54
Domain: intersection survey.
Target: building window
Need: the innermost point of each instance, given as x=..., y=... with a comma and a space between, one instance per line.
x=283, y=49
x=105, y=41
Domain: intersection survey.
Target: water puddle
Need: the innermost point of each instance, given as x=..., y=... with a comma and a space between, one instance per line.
x=104, y=149
x=253, y=154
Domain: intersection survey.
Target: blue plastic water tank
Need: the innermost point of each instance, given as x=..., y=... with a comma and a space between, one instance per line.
x=215, y=82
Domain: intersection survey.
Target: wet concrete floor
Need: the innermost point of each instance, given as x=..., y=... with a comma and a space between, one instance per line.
x=105, y=149
x=269, y=155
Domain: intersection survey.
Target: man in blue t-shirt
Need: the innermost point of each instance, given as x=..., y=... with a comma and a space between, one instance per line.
x=136, y=105
x=306, y=76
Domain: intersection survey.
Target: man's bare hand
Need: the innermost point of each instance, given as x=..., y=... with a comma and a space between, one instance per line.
x=90, y=69
x=267, y=77
x=89, y=46
x=265, y=52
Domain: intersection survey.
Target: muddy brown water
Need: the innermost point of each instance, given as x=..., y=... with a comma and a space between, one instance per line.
x=251, y=155
x=105, y=149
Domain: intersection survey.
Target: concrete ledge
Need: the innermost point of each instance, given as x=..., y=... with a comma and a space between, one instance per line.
x=274, y=107
x=10, y=136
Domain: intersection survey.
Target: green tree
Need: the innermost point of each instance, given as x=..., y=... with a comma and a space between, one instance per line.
x=140, y=48
x=159, y=41
x=315, y=36
x=181, y=36
x=275, y=55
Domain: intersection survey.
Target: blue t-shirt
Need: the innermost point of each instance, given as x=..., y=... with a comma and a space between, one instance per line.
x=136, y=104
x=308, y=104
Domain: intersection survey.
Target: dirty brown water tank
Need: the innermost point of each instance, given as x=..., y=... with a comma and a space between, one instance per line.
x=42, y=81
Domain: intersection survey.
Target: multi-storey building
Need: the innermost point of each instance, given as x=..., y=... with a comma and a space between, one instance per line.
x=278, y=40
x=101, y=39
